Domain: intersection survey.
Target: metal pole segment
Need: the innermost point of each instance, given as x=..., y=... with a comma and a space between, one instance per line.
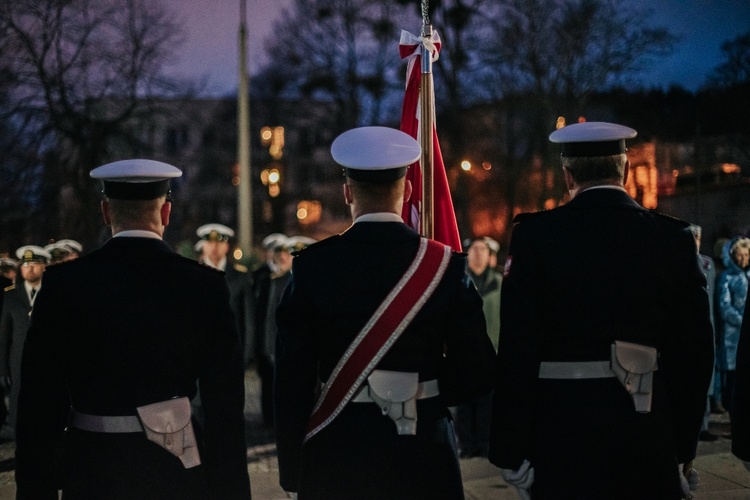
x=426, y=121
x=244, y=188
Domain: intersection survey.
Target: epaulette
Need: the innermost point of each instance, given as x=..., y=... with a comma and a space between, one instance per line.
x=240, y=268
x=670, y=218
x=9, y=288
x=317, y=245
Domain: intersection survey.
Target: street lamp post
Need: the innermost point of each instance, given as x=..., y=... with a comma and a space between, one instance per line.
x=244, y=194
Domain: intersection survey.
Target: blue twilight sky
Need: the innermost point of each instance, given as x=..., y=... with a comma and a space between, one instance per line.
x=211, y=29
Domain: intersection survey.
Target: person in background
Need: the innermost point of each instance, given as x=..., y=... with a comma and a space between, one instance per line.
x=392, y=326
x=473, y=419
x=7, y=275
x=594, y=293
x=18, y=301
x=215, y=253
x=717, y=406
x=731, y=295
x=58, y=253
x=118, y=342
x=75, y=249
x=707, y=264
x=8, y=266
x=265, y=348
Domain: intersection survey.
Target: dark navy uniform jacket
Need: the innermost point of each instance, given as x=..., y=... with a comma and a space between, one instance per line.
x=741, y=404
x=131, y=323
x=336, y=286
x=599, y=269
x=14, y=322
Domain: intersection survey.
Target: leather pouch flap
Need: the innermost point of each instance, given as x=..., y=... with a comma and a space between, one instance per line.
x=395, y=387
x=166, y=416
x=635, y=358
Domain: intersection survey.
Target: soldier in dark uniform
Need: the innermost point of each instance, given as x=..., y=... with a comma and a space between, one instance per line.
x=14, y=321
x=7, y=271
x=215, y=253
x=262, y=279
x=117, y=341
x=7, y=278
x=600, y=269
x=338, y=290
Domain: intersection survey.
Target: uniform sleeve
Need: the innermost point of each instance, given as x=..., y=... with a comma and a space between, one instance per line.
x=296, y=377
x=511, y=433
x=686, y=357
x=223, y=399
x=468, y=366
x=741, y=407
x=43, y=404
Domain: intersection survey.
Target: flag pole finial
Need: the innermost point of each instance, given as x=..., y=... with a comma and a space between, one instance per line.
x=426, y=26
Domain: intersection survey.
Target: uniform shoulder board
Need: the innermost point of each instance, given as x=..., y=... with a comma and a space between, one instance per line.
x=318, y=245
x=670, y=218
x=240, y=268
x=9, y=288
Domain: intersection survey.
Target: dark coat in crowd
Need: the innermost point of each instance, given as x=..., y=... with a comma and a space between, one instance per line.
x=130, y=324
x=241, y=299
x=741, y=405
x=336, y=286
x=14, y=322
x=597, y=270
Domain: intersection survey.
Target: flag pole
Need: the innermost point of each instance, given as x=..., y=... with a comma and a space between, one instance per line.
x=426, y=123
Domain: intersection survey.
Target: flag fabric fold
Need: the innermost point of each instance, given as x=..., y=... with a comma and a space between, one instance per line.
x=412, y=48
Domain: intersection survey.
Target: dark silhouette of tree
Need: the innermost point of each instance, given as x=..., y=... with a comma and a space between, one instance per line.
x=340, y=51
x=78, y=71
x=735, y=68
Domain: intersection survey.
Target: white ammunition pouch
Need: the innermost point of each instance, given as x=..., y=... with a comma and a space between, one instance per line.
x=168, y=424
x=396, y=395
x=634, y=367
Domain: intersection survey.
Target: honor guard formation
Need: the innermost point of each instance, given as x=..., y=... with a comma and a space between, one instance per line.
x=585, y=365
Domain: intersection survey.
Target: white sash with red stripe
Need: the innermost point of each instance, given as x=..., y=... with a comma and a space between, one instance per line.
x=380, y=333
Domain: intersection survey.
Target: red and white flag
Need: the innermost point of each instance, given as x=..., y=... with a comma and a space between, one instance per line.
x=444, y=219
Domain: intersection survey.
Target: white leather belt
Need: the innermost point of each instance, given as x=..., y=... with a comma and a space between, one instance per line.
x=427, y=389
x=575, y=369
x=106, y=424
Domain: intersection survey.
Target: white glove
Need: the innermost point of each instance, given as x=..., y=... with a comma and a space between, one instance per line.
x=522, y=479
x=688, y=481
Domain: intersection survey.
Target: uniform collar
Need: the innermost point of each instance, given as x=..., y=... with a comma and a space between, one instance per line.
x=379, y=217
x=137, y=233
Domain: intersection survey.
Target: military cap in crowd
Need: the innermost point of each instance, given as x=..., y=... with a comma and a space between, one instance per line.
x=57, y=251
x=135, y=179
x=8, y=263
x=214, y=232
x=297, y=243
x=590, y=139
x=72, y=245
x=32, y=253
x=281, y=243
x=271, y=241
x=375, y=154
